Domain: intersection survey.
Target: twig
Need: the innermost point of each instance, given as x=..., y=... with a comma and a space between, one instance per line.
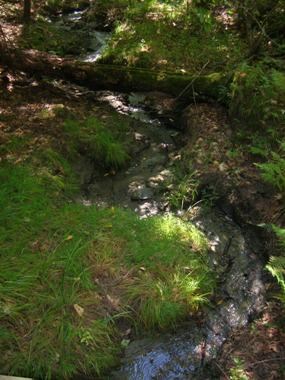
x=265, y=361
x=221, y=369
x=192, y=81
x=195, y=204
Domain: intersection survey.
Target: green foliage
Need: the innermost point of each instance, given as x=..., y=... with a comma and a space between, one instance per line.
x=51, y=252
x=53, y=38
x=56, y=172
x=257, y=96
x=174, y=278
x=24, y=205
x=65, y=5
x=276, y=265
x=238, y=371
x=273, y=171
x=168, y=35
x=185, y=189
x=95, y=138
x=163, y=300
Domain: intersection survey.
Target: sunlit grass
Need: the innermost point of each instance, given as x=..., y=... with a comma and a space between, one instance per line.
x=165, y=36
x=59, y=264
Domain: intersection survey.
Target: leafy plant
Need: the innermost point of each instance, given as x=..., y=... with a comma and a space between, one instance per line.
x=238, y=372
x=276, y=265
x=273, y=171
x=256, y=96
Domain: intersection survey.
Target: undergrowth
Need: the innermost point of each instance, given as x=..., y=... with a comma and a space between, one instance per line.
x=98, y=141
x=276, y=265
x=155, y=38
x=50, y=37
x=257, y=97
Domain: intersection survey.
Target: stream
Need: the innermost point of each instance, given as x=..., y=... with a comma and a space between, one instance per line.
x=235, y=252
x=140, y=186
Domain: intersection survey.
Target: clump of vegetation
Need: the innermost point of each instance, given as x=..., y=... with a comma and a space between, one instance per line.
x=97, y=141
x=168, y=36
x=184, y=187
x=273, y=171
x=65, y=5
x=257, y=97
x=52, y=38
x=237, y=372
x=184, y=191
x=276, y=265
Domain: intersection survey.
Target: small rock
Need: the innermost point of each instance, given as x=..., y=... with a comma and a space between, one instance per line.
x=141, y=193
x=223, y=167
x=139, y=136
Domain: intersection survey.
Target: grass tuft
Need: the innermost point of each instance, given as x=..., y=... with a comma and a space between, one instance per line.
x=98, y=141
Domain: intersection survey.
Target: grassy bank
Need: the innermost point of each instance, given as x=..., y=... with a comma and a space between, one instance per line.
x=77, y=283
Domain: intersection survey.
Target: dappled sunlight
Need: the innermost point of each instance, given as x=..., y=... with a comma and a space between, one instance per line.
x=132, y=224
x=151, y=44
x=171, y=227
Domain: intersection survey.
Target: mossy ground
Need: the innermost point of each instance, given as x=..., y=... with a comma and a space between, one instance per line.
x=78, y=282
x=151, y=39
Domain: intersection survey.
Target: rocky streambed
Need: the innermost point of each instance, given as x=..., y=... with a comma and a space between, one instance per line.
x=142, y=185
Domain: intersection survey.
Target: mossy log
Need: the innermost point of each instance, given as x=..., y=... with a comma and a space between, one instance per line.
x=111, y=77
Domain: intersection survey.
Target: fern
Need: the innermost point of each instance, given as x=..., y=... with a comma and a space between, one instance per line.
x=273, y=171
x=276, y=265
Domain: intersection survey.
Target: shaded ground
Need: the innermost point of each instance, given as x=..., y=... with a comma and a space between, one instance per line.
x=225, y=165
x=257, y=352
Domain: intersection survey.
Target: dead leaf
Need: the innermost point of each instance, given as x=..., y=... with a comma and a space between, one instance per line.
x=79, y=310
x=115, y=302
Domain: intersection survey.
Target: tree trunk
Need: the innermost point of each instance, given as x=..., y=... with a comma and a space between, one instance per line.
x=27, y=10
x=111, y=77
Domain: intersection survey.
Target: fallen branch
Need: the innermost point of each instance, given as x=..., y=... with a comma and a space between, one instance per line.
x=112, y=77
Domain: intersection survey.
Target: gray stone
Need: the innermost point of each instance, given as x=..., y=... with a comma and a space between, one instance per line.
x=139, y=192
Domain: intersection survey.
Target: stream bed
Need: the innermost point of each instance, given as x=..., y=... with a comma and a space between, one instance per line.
x=235, y=252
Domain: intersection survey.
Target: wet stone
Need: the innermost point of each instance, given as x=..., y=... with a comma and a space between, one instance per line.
x=240, y=295
x=139, y=191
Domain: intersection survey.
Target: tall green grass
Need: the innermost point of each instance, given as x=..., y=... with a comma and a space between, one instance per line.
x=98, y=141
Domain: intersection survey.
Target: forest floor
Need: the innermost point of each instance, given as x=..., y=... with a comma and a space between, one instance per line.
x=41, y=109
x=37, y=158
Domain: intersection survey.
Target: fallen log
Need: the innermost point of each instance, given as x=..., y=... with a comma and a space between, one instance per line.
x=111, y=77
